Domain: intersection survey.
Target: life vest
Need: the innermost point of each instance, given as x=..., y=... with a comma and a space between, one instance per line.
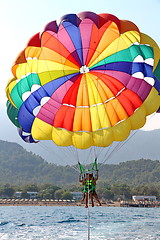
x=89, y=185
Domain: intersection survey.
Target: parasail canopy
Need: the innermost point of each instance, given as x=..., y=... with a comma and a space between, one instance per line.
x=85, y=81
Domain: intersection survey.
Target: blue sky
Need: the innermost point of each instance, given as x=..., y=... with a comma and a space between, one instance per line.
x=19, y=20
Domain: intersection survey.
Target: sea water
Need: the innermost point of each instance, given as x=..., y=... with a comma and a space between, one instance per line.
x=71, y=223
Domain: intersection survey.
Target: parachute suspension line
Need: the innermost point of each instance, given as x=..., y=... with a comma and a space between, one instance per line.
x=76, y=154
x=118, y=147
x=108, y=149
x=65, y=151
x=112, y=148
x=121, y=144
x=108, y=155
x=62, y=159
x=137, y=130
x=89, y=155
x=47, y=148
x=96, y=152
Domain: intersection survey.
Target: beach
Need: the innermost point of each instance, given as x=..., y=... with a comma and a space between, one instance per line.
x=51, y=202
x=48, y=202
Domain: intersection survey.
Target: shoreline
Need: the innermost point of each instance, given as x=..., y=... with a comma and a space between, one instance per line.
x=20, y=202
x=35, y=202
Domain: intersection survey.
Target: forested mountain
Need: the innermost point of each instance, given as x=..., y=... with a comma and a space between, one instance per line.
x=17, y=166
x=139, y=144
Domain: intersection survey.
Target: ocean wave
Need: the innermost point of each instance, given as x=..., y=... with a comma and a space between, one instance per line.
x=3, y=223
x=21, y=225
x=70, y=220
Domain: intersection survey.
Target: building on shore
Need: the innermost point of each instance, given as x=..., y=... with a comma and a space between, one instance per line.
x=144, y=198
x=77, y=196
x=31, y=195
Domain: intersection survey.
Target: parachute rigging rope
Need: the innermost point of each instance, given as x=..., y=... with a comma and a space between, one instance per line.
x=121, y=144
x=64, y=159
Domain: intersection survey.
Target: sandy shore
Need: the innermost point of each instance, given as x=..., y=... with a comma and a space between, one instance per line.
x=26, y=202
x=21, y=202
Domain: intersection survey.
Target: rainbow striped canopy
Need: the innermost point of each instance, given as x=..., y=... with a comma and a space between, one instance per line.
x=88, y=80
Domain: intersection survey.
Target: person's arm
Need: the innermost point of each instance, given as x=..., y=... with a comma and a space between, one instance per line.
x=80, y=178
x=96, y=176
x=83, y=181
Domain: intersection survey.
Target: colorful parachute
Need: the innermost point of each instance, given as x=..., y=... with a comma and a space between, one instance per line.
x=88, y=80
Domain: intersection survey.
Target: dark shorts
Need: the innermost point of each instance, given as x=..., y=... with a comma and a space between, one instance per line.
x=90, y=191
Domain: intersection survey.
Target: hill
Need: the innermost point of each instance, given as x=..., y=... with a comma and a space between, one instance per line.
x=143, y=144
x=17, y=166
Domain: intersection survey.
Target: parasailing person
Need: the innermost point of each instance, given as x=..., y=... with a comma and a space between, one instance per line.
x=88, y=180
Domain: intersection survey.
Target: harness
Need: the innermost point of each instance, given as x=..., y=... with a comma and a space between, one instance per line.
x=89, y=185
x=93, y=169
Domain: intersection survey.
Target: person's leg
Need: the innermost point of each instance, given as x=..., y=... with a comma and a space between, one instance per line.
x=96, y=197
x=86, y=200
x=91, y=197
x=83, y=197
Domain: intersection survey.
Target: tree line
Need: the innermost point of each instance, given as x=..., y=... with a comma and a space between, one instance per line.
x=105, y=190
